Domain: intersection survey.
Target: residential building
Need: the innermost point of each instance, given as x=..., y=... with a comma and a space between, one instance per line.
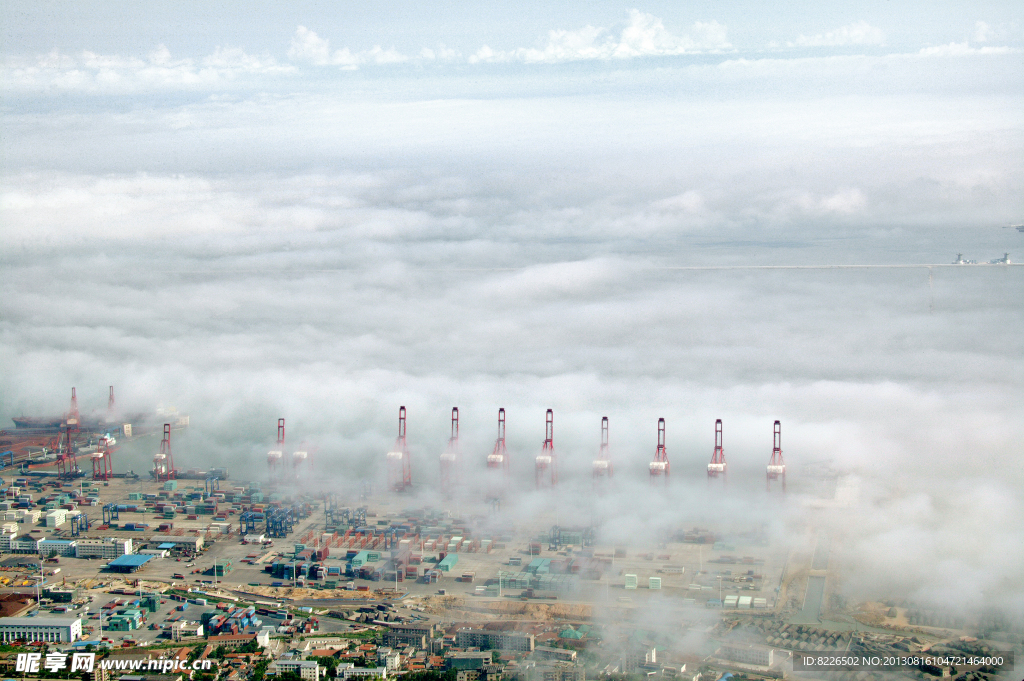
x=550, y=653
x=45, y=629
x=186, y=631
x=488, y=672
x=747, y=654
x=308, y=670
x=468, y=660
x=388, y=658
x=494, y=640
x=636, y=656
x=417, y=635
x=551, y=670
x=348, y=670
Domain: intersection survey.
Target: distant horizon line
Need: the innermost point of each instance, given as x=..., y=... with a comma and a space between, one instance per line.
x=649, y=267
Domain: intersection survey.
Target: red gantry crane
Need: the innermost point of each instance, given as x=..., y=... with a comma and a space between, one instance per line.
x=399, y=463
x=102, y=466
x=450, y=458
x=67, y=462
x=498, y=459
x=717, y=465
x=660, y=467
x=275, y=456
x=603, y=464
x=777, y=465
x=163, y=462
x=73, y=410
x=546, y=462
x=300, y=458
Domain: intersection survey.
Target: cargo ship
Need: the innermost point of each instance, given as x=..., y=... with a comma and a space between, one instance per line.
x=35, y=422
x=87, y=424
x=196, y=474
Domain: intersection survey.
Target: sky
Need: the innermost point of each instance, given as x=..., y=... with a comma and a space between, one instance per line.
x=322, y=211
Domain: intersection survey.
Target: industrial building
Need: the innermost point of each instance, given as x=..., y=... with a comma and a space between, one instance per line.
x=60, y=595
x=56, y=547
x=43, y=629
x=237, y=640
x=26, y=543
x=107, y=549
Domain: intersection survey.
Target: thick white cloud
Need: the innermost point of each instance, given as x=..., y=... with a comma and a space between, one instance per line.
x=159, y=70
x=983, y=32
x=857, y=33
x=307, y=46
x=644, y=35
x=965, y=50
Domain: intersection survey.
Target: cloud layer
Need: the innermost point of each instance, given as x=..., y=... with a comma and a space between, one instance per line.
x=858, y=33
x=329, y=235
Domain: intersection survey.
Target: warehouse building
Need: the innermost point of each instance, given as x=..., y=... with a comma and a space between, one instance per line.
x=43, y=629
x=190, y=543
x=128, y=563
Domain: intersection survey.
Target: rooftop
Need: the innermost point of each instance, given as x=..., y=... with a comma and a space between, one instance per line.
x=130, y=560
x=40, y=621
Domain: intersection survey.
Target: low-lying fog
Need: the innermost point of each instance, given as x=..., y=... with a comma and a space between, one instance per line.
x=328, y=251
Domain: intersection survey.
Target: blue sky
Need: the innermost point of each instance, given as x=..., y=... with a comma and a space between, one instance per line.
x=193, y=29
